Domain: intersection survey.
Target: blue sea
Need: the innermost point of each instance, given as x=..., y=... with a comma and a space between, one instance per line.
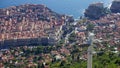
x=69, y=7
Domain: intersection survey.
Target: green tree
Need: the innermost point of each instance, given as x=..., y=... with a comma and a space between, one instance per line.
x=90, y=27
x=72, y=38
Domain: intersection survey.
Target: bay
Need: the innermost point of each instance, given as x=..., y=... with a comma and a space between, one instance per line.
x=69, y=7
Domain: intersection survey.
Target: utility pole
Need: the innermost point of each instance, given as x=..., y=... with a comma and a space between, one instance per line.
x=90, y=50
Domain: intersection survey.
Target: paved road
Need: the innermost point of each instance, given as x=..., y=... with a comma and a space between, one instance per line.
x=67, y=36
x=90, y=50
x=89, y=62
